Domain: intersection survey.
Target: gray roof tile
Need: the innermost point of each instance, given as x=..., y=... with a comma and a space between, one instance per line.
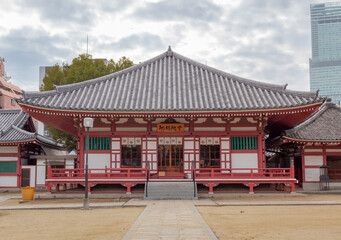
x=323, y=125
x=168, y=82
x=11, y=128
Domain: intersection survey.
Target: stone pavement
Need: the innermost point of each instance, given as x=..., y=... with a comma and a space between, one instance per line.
x=170, y=219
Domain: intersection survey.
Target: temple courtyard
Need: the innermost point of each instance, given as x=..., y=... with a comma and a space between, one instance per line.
x=228, y=216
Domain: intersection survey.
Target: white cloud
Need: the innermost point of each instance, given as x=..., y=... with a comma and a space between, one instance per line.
x=263, y=40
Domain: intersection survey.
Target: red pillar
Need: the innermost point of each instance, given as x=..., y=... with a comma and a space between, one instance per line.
x=210, y=188
x=251, y=185
x=128, y=185
x=81, y=151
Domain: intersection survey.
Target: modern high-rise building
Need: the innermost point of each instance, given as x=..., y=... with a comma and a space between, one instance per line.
x=325, y=64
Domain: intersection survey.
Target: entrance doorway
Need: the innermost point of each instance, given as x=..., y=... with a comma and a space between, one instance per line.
x=170, y=158
x=25, y=177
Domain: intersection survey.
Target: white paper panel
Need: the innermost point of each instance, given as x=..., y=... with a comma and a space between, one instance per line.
x=151, y=145
x=189, y=145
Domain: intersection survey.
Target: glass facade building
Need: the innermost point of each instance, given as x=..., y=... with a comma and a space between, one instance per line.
x=325, y=64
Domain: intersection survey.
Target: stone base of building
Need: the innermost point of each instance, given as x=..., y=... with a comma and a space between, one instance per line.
x=311, y=186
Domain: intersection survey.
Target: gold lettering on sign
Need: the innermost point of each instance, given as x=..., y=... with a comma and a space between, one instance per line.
x=170, y=127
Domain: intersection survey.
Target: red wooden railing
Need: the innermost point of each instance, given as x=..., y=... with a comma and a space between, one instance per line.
x=230, y=173
x=142, y=173
x=103, y=173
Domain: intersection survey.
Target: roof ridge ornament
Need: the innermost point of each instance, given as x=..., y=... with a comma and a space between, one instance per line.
x=169, y=52
x=284, y=87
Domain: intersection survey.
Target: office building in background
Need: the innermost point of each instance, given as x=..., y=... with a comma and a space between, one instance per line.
x=325, y=64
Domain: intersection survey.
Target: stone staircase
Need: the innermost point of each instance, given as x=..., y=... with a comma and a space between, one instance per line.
x=162, y=189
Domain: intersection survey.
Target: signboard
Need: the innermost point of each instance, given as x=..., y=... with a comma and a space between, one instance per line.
x=170, y=127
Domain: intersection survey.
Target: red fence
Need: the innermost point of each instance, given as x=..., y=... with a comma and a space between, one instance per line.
x=129, y=177
x=106, y=173
x=235, y=173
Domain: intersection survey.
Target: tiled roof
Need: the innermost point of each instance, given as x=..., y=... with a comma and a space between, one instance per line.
x=169, y=82
x=323, y=125
x=11, y=128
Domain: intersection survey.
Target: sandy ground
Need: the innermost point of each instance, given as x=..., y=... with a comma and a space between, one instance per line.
x=67, y=224
x=273, y=197
x=18, y=201
x=274, y=222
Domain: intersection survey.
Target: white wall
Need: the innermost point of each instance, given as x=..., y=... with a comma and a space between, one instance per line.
x=8, y=181
x=98, y=161
x=244, y=160
x=312, y=174
x=41, y=171
x=313, y=160
x=9, y=149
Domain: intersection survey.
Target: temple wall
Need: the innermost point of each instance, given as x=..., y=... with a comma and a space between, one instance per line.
x=41, y=172
x=201, y=131
x=99, y=161
x=8, y=181
x=244, y=160
x=9, y=166
x=313, y=157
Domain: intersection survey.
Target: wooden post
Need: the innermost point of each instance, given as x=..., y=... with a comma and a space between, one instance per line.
x=128, y=185
x=210, y=188
x=251, y=185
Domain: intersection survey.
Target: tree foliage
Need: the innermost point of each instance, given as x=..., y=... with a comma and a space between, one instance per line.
x=83, y=68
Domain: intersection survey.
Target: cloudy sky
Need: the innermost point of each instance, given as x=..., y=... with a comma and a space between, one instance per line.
x=264, y=40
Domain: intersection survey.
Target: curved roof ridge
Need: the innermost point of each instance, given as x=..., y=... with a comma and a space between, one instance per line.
x=271, y=86
x=73, y=86
x=177, y=73
x=10, y=110
x=323, y=108
x=19, y=120
x=24, y=131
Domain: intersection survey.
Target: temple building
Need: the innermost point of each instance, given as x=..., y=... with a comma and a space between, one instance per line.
x=173, y=118
x=318, y=141
x=24, y=154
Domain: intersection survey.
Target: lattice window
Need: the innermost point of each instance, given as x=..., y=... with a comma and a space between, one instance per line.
x=209, y=156
x=131, y=156
x=244, y=143
x=98, y=143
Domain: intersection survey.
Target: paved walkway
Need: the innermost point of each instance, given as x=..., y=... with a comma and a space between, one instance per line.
x=169, y=219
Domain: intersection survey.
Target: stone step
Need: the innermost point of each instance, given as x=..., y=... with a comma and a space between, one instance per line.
x=170, y=190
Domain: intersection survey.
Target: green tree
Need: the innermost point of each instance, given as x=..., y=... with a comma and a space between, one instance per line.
x=83, y=68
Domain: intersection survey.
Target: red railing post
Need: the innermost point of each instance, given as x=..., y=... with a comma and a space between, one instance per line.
x=292, y=172
x=49, y=172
